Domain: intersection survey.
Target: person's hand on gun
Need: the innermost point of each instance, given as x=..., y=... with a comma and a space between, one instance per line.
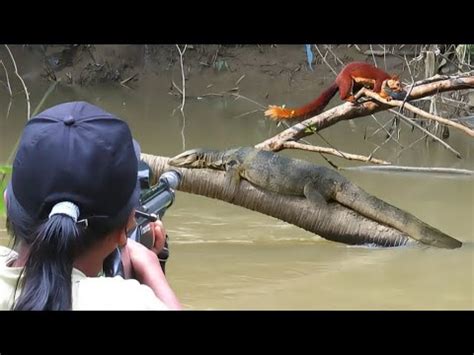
x=136, y=257
x=143, y=264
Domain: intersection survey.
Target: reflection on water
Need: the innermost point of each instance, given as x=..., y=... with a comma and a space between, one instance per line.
x=227, y=257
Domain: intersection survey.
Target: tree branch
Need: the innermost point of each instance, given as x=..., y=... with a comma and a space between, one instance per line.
x=27, y=95
x=348, y=156
x=414, y=124
x=413, y=169
x=331, y=221
x=8, y=80
x=183, y=77
x=349, y=111
x=416, y=110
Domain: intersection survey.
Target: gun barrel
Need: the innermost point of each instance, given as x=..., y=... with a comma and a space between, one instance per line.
x=159, y=203
x=156, y=201
x=172, y=178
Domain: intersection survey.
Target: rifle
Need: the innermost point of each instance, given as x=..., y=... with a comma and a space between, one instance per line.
x=154, y=202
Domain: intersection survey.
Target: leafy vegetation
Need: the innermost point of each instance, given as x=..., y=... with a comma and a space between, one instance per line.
x=5, y=172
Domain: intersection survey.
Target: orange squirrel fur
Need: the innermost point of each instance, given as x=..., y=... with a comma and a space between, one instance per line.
x=353, y=75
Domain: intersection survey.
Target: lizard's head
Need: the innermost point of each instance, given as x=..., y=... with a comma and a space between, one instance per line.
x=194, y=158
x=201, y=158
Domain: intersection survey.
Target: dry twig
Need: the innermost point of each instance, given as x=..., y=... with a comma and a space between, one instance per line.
x=27, y=95
x=325, y=150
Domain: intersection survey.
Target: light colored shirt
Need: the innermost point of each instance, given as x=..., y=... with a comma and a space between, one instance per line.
x=88, y=293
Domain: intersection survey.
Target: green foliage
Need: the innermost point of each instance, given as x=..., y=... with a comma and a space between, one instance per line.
x=5, y=172
x=5, y=169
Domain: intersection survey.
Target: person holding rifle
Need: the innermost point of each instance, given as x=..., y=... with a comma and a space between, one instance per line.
x=70, y=203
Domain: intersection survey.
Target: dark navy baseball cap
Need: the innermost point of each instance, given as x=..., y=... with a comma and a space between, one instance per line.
x=79, y=153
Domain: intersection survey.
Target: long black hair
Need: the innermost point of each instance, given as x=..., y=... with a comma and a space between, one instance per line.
x=45, y=281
